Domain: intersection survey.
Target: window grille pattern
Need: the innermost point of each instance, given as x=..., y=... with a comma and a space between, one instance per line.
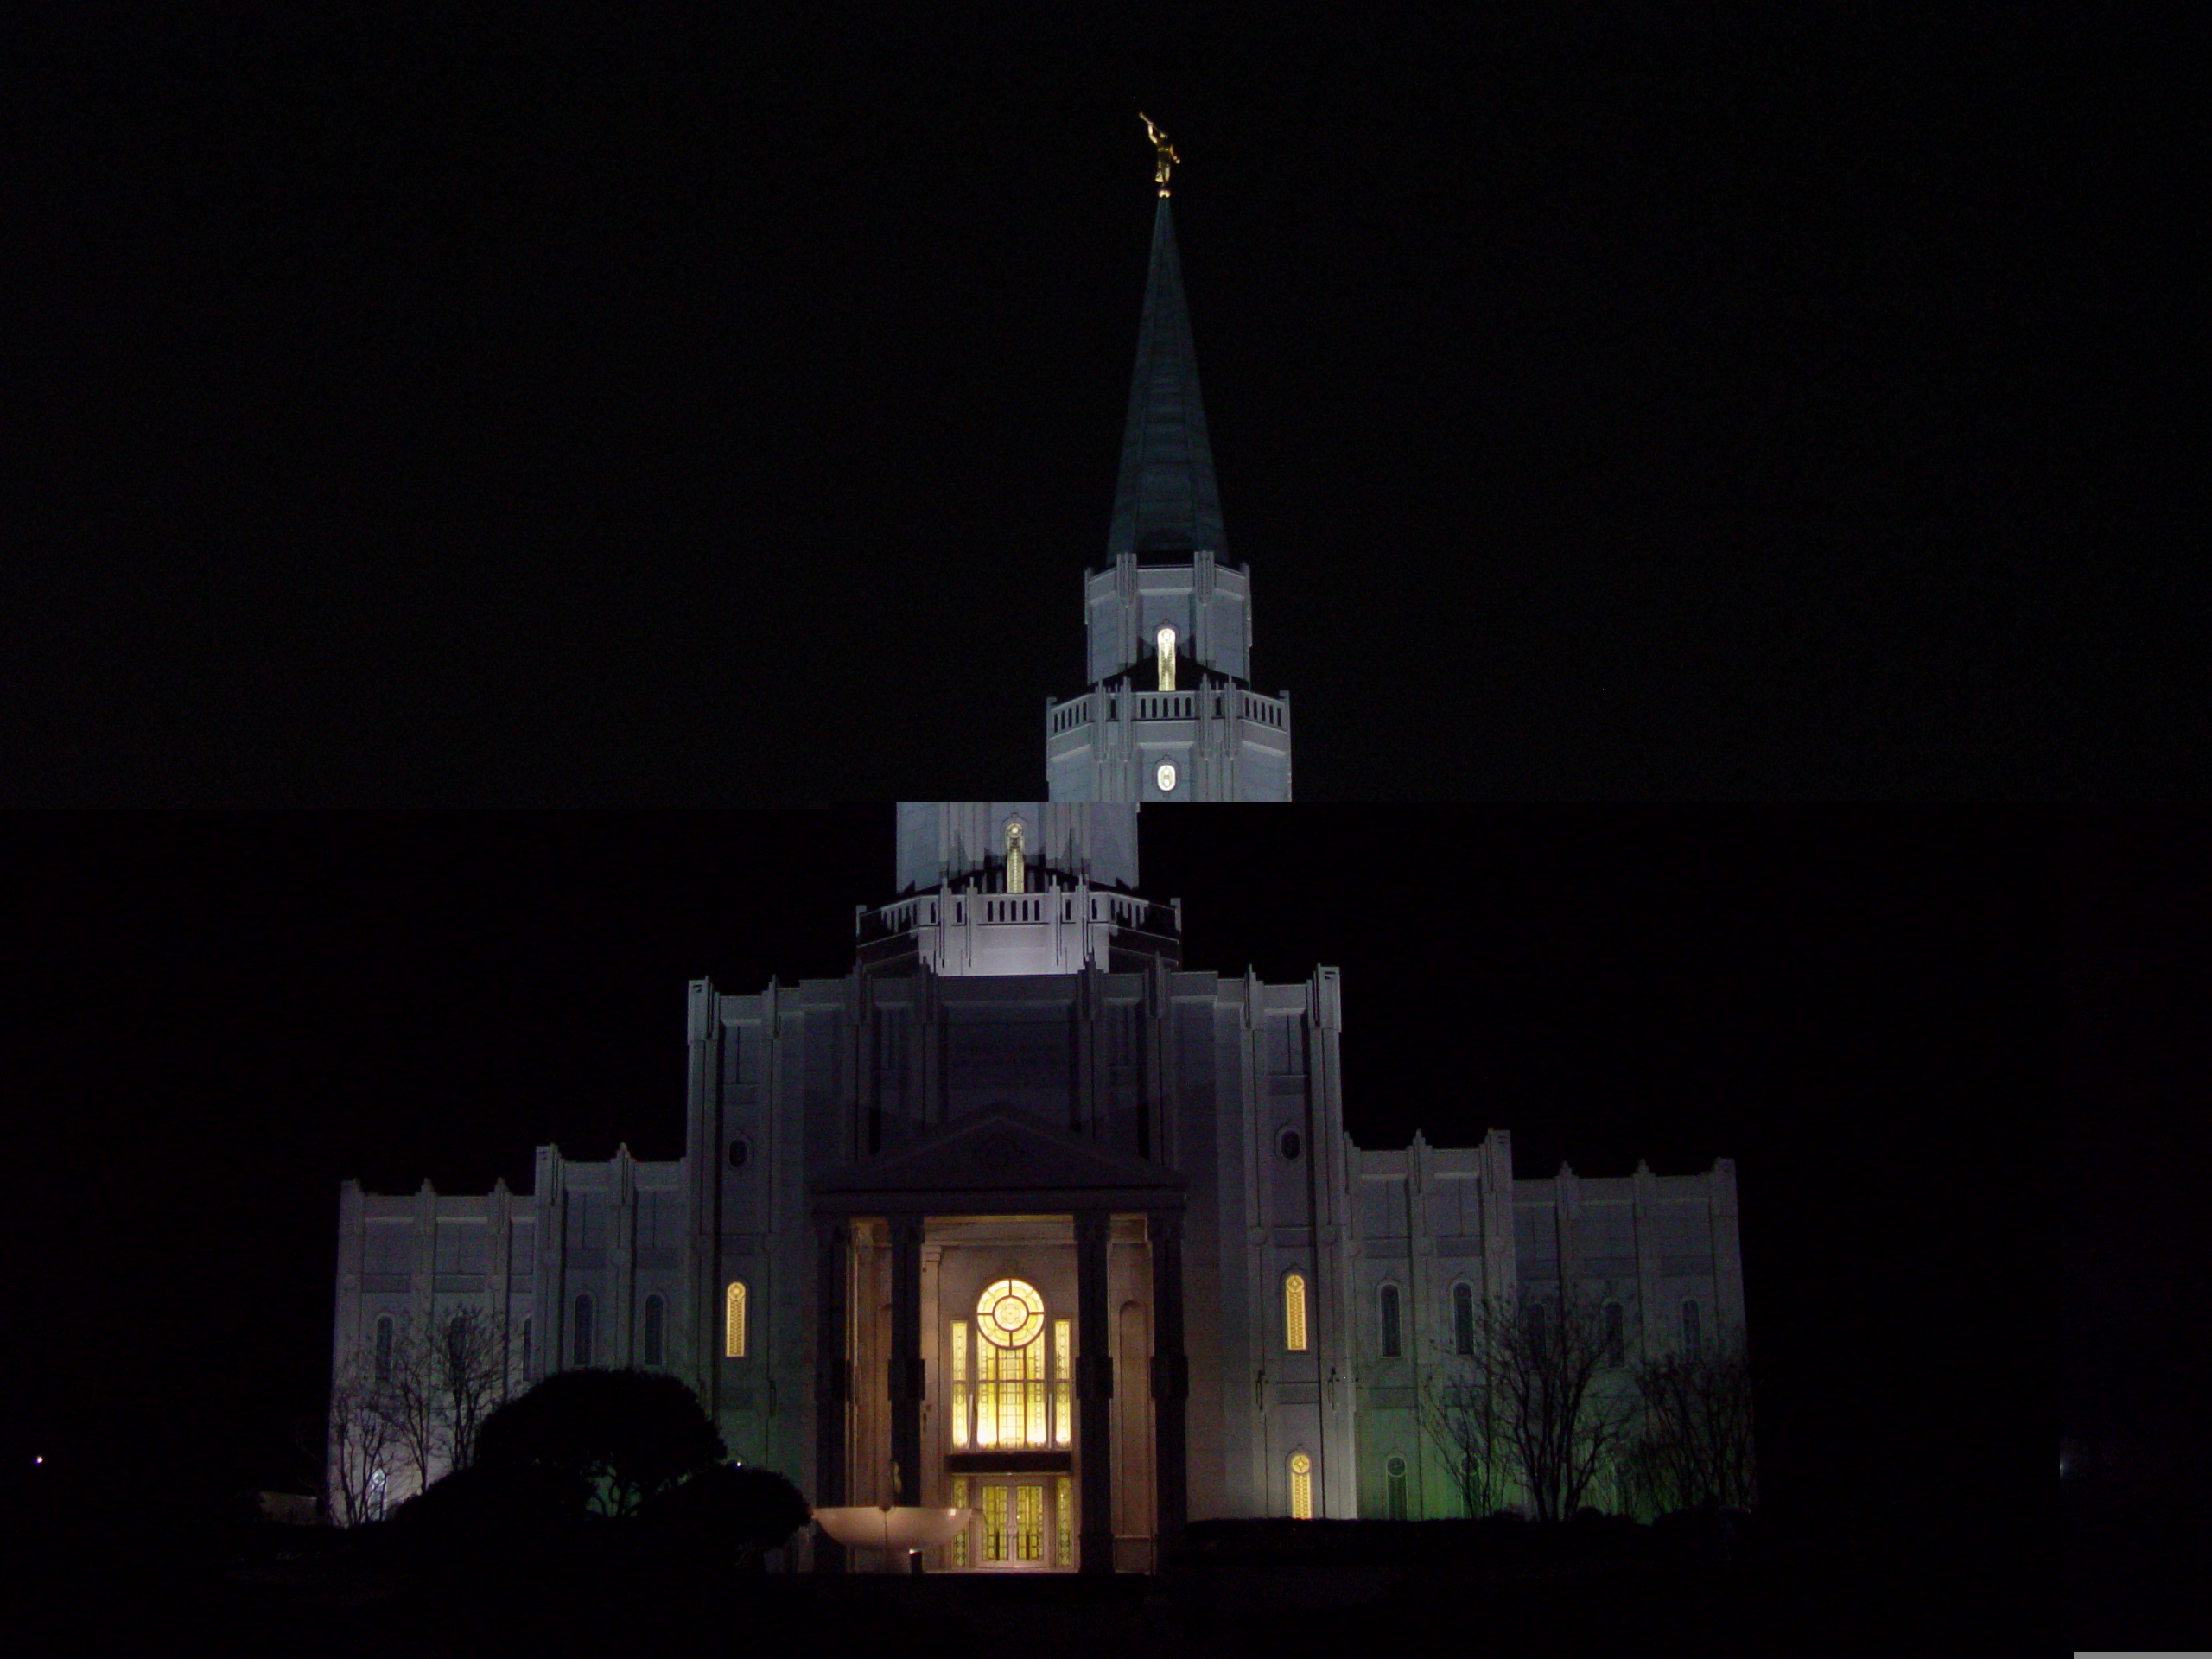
x=1293, y=1313
x=1301, y=1487
x=959, y=1389
x=1010, y=1363
x=733, y=1320
x=960, y=1538
x=1063, y=1368
x=1063, y=1516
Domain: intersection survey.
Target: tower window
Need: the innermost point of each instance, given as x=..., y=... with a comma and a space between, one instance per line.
x=1301, y=1487
x=1288, y=1143
x=1394, y=1477
x=525, y=1348
x=1613, y=1345
x=384, y=1348
x=1014, y=864
x=1166, y=776
x=581, y=1332
x=650, y=1343
x=1690, y=1331
x=1462, y=1318
x=733, y=1320
x=740, y=1153
x=1293, y=1313
x=1164, y=643
x=1388, y=1309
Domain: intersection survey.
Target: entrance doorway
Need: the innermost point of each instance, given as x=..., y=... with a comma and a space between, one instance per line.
x=1023, y=1523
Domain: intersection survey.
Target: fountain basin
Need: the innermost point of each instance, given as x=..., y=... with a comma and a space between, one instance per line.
x=897, y=1529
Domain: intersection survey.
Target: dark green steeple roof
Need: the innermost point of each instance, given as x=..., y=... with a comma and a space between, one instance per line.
x=1165, y=501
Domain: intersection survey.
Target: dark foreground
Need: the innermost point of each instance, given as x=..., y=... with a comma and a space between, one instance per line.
x=327, y=1594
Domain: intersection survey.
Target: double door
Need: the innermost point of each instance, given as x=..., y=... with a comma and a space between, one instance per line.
x=1021, y=1522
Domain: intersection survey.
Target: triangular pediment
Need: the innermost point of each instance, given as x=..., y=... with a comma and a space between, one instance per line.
x=999, y=1161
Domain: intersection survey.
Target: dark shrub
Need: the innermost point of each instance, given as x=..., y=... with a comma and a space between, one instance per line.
x=727, y=1513
x=619, y=1437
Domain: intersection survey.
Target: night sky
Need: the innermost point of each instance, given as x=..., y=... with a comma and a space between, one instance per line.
x=405, y=408
x=213, y=1020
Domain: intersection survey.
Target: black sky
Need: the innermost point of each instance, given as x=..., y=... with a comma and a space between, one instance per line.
x=212, y=1020
x=406, y=407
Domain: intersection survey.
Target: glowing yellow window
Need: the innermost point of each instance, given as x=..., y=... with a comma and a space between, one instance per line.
x=733, y=1320
x=959, y=1385
x=1010, y=1366
x=1062, y=1420
x=1301, y=1487
x=1293, y=1313
x=960, y=1538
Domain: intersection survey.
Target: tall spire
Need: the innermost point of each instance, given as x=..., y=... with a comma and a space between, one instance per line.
x=1165, y=501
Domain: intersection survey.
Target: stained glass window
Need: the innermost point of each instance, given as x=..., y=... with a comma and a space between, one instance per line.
x=1063, y=1510
x=1030, y=1509
x=1063, y=1419
x=1301, y=1487
x=1010, y=1366
x=995, y=1496
x=733, y=1320
x=1293, y=1312
x=959, y=1385
x=960, y=1538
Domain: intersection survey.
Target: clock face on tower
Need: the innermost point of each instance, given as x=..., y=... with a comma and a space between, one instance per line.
x=1167, y=776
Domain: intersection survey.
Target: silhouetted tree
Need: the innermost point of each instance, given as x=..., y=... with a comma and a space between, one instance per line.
x=736, y=1513
x=1695, y=1445
x=1529, y=1405
x=625, y=1435
x=469, y=1374
x=364, y=1451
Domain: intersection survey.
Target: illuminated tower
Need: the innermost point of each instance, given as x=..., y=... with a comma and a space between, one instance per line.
x=1170, y=714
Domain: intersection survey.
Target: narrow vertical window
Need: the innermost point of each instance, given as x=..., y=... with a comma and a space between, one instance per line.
x=525, y=1348
x=1393, y=1476
x=1064, y=1519
x=384, y=1348
x=581, y=1332
x=987, y=1394
x=1389, y=1311
x=650, y=1338
x=1293, y=1313
x=1614, y=1354
x=1690, y=1331
x=1462, y=1318
x=1034, y=1392
x=733, y=1320
x=1015, y=880
x=960, y=1502
x=1301, y=1487
x=960, y=1401
x=1164, y=643
x=1532, y=1325
x=1063, y=1370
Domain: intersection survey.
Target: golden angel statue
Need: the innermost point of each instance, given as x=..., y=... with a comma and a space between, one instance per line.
x=1163, y=152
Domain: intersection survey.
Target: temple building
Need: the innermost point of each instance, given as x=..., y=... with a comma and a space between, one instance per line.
x=1023, y=1215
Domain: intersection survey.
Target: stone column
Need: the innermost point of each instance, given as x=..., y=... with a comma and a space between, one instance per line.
x=1095, y=1390
x=832, y=1380
x=1171, y=1384
x=906, y=1366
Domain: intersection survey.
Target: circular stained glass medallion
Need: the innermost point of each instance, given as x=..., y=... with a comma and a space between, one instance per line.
x=1009, y=1314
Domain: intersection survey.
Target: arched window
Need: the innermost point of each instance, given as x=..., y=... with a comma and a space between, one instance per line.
x=1690, y=1331
x=1393, y=1476
x=1014, y=860
x=650, y=1338
x=1164, y=643
x=384, y=1347
x=1614, y=1357
x=1293, y=1313
x=1301, y=1487
x=580, y=1332
x=1388, y=1310
x=733, y=1320
x=1012, y=1364
x=1463, y=1318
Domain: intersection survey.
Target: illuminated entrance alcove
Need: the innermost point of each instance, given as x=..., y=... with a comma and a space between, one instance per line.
x=1000, y=1419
